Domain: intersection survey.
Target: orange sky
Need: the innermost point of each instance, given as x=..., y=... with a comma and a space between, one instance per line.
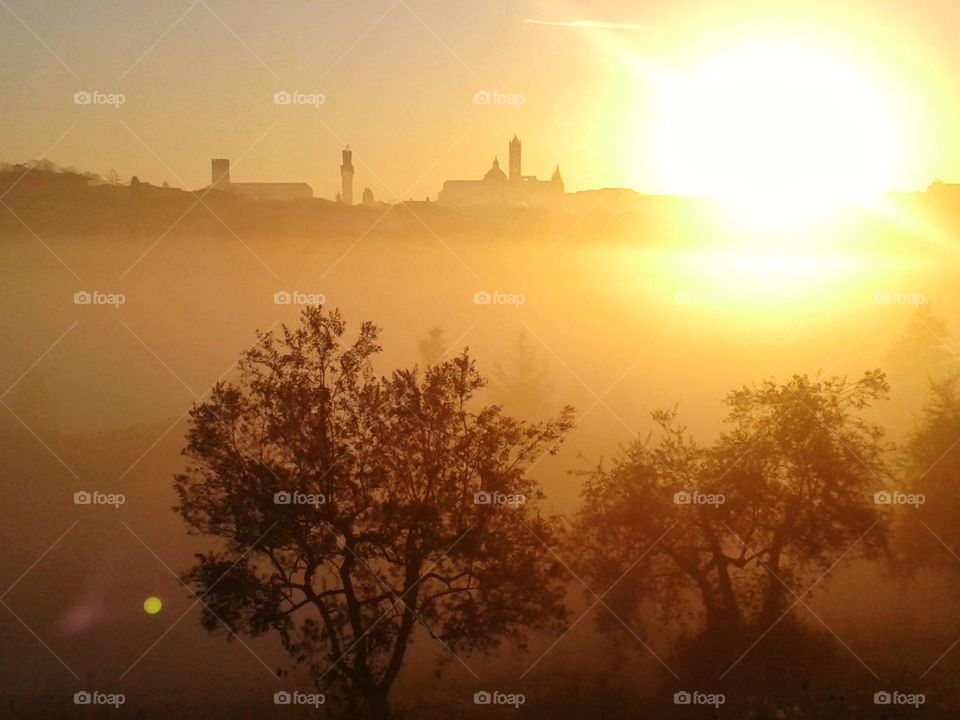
x=591, y=86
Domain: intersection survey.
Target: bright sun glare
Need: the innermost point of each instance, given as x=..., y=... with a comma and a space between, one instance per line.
x=781, y=135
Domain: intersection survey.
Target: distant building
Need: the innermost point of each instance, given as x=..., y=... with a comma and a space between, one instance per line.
x=346, y=177
x=497, y=188
x=368, y=198
x=220, y=180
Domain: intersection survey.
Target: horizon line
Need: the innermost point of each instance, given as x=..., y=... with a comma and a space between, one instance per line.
x=591, y=24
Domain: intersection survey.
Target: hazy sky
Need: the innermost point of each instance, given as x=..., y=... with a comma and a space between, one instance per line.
x=399, y=80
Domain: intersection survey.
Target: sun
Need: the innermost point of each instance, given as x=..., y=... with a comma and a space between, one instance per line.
x=781, y=134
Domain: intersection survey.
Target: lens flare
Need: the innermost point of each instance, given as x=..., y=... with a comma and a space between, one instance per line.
x=152, y=605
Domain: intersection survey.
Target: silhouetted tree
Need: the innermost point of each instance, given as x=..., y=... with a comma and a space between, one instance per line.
x=921, y=349
x=432, y=347
x=392, y=532
x=803, y=466
x=919, y=356
x=932, y=469
x=779, y=497
x=522, y=381
x=631, y=532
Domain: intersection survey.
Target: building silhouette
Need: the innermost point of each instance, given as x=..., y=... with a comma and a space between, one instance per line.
x=498, y=188
x=346, y=177
x=515, y=171
x=220, y=180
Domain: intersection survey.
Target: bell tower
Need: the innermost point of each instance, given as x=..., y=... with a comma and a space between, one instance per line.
x=220, y=173
x=515, y=173
x=346, y=177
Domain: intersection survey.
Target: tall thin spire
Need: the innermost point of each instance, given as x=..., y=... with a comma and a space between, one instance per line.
x=346, y=177
x=515, y=164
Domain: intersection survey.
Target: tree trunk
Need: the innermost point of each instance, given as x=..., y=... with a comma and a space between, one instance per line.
x=728, y=596
x=379, y=706
x=712, y=608
x=773, y=597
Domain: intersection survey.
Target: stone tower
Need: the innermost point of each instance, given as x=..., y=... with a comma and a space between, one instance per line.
x=220, y=173
x=515, y=173
x=346, y=177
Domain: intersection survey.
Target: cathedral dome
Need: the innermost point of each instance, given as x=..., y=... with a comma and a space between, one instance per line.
x=495, y=174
